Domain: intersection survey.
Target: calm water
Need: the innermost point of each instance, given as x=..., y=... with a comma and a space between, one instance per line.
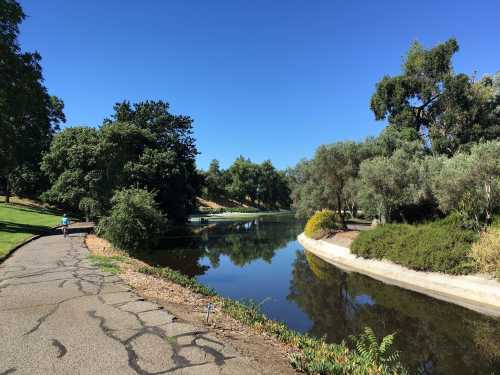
x=261, y=260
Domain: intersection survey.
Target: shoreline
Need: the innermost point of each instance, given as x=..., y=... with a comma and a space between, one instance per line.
x=473, y=292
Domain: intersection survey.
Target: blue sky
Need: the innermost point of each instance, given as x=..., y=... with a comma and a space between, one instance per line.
x=266, y=79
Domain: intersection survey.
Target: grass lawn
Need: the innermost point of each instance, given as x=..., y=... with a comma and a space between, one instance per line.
x=21, y=220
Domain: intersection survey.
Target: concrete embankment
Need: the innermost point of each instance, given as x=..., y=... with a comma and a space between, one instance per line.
x=474, y=292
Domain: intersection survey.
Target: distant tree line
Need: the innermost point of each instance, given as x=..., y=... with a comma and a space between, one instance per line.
x=246, y=182
x=439, y=153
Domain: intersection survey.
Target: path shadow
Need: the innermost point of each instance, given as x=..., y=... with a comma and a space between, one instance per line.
x=9, y=227
x=78, y=230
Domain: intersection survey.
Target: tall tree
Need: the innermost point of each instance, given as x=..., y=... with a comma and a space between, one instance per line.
x=447, y=109
x=29, y=116
x=73, y=168
x=168, y=167
x=214, y=182
x=336, y=164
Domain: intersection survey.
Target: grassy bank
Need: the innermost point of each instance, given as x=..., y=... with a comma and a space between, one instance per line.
x=363, y=355
x=20, y=220
x=439, y=246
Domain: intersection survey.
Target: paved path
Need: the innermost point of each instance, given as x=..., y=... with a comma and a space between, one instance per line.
x=61, y=315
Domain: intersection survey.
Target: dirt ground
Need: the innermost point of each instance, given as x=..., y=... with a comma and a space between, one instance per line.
x=270, y=354
x=343, y=238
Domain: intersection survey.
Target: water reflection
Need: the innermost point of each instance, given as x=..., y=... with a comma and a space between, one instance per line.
x=438, y=337
x=243, y=242
x=259, y=259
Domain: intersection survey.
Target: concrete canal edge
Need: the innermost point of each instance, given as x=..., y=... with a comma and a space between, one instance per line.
x=474, y=292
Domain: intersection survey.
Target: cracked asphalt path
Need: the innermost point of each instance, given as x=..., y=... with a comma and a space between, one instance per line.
x=59, y=314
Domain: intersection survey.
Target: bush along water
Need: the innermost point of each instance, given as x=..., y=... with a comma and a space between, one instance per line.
x=321, y=224
x=440, y=246
x=134, y=222
x=365, y=355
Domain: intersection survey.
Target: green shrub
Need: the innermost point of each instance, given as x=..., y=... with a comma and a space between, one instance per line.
x=321, y=224
x=439, y=246
x=134, y=222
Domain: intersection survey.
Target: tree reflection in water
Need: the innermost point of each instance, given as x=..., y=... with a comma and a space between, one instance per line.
x=243, y=242
x=438, y=337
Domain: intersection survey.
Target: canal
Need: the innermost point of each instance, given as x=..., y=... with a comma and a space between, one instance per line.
x=261, y=260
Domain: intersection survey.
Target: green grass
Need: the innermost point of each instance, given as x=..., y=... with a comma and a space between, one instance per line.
x=439, y=246
x=19, y=222
x=107, y=264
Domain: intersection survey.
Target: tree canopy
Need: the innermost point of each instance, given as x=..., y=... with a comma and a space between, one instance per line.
x=248, y=183
x=448, y=110
x=142, y=146
x=29, y=116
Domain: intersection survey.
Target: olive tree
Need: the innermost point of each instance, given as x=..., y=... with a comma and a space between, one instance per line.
x=469, y=183
x=388, y=183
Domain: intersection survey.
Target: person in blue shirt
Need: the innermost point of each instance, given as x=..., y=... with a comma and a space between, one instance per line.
x=65, y=223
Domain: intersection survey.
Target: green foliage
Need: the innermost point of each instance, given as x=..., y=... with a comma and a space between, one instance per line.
x=27, y=181
x=310, y=192
x=107, y=264
x=449, y=110
x=142, y=145
x=439, y=246
x=326, y=181
x=469, y=183
x=134, y=222
x=247, y=183
x=215, y=182
x=28, y=114
x=169, y=167
x=322, y=223
x=386, y=184
x=90, y=207
x=72, y=168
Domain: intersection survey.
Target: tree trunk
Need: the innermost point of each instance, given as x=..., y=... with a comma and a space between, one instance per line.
x=7, y=191
x=339, y=209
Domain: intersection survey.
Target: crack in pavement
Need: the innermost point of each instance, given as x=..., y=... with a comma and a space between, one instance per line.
x=106, y=293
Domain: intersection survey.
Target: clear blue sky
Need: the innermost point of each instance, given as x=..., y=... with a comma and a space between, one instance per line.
x=266, y=79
